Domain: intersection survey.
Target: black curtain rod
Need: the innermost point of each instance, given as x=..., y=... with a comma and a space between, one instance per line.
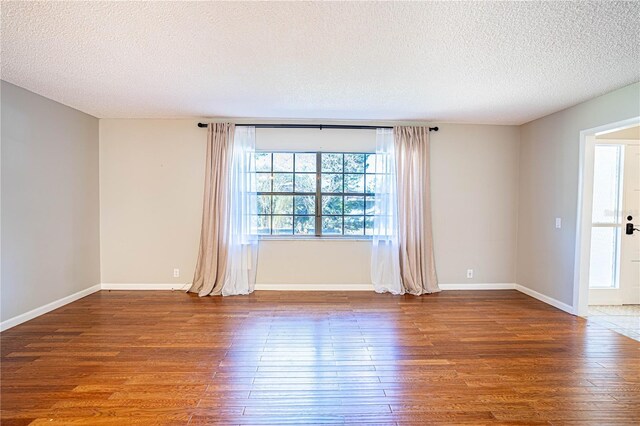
x=313, y=126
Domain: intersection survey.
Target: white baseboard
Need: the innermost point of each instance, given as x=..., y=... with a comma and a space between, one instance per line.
x=315, y=287
x=546, y=299
x=151, y=286
x=369, y=287
x=478, y=286
x=309, y=287
x=19, y=319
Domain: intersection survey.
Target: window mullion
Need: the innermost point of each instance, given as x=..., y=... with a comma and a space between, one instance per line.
x=293, y=196
x=271, y=198
x=342, y=195
x=318, y=195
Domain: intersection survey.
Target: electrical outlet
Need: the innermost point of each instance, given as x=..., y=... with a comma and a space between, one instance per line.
x=558, y=223
x=469, y=273
x=176, y=273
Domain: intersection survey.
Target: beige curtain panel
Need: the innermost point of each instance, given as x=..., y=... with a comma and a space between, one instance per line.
x=415, y=236
x=214, y=236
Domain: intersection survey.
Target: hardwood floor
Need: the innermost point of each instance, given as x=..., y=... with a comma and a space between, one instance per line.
x=458, y=357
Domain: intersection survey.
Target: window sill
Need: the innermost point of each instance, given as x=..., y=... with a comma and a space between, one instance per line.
x=312, y=238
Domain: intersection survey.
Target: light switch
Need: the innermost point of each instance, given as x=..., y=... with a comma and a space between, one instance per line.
x=558, y=223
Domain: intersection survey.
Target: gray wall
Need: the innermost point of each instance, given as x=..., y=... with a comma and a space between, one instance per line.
x=548, y=188
x=50, y=204
x=483, y=176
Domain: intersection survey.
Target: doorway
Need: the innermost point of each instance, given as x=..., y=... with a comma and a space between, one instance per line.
x=608, y=244
x=614, y=261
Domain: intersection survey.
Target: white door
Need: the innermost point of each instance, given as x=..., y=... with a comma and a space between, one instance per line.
x=614, y=267
x=630, y=244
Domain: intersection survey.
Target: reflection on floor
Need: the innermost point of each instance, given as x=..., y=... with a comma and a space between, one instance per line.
x=623, y=319
x=119, y=358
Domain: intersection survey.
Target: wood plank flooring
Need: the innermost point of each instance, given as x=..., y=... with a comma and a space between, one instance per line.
x=458, y=357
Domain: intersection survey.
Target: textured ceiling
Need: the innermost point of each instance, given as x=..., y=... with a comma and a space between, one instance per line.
x=504, y=63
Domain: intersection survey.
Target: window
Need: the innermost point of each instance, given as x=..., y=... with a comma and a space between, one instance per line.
x=315, y=193
x=606, y=216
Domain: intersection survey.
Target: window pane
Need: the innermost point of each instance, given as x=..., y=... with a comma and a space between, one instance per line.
x=282, y=204
x=354, y=163
x=263, y=182
x=289, y=173
x=263, y=161
x=354, y=225
x=305, y=204
x=331, y=182
x=332, y=163
x=283, y=182
x=264, y=204
x=604, y=251
x=371, y=183
x=370, y=163
x=370, y=205
x=305, y=162
x=354, y=183
x=332, y=225
x=606, y=184
x=282, y=225
x=331, y=204
x=263, y=225
x=353, y=205
x=305, y=182
x=368, y=225
x=282, y=162
x=305, y=225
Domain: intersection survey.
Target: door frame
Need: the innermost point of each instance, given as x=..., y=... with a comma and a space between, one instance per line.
x=584, y=207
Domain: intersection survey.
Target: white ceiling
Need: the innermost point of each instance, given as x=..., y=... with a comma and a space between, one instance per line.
x=505, y=63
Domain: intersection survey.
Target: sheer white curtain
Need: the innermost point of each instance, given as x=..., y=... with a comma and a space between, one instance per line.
x=240, y=277
x=385, y=261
